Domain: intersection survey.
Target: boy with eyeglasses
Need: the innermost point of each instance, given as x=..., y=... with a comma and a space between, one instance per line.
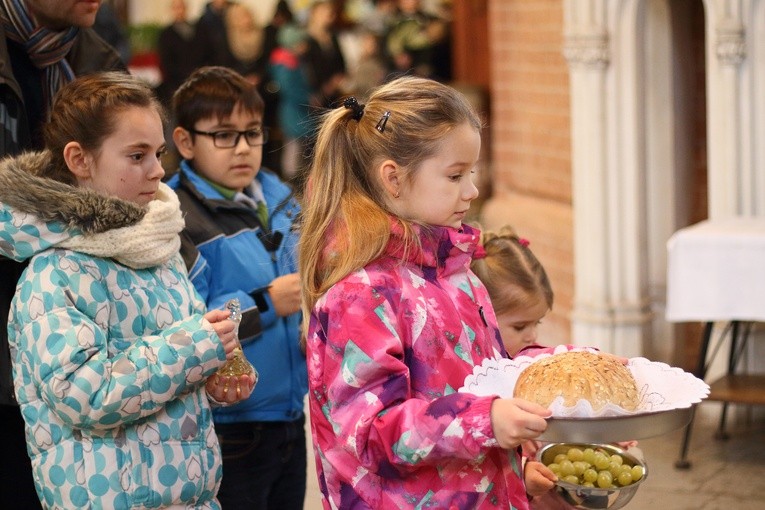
x=240, y=242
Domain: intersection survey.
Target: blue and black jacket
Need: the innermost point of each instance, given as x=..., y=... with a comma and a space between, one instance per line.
x=230, y=254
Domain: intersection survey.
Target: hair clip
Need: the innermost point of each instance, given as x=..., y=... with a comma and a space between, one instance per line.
x=523, y=242
x=352, y=104
x=382, y=122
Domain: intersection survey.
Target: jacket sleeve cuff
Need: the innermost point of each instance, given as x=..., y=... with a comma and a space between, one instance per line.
x=250, y=326
x=478, y=422
x=265, y=307
x=262, y=301
x=215, y=403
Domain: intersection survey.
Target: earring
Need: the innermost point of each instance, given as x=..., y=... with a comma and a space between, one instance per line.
x=397, y=194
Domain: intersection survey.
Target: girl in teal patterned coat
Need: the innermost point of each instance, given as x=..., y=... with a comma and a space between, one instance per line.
x=112, y=349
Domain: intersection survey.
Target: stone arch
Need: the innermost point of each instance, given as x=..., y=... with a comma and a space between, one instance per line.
x=630, y=158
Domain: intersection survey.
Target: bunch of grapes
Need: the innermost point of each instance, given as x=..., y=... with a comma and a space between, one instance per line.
x=594, y=467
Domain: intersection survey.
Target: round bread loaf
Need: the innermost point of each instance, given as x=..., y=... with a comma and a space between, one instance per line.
x=576, y=375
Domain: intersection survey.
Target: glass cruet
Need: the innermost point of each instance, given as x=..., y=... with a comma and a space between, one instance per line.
x=238, y=365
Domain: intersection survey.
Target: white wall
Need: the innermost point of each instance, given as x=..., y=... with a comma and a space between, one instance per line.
x=158, y=11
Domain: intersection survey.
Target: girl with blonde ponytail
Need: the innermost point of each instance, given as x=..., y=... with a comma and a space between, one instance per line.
x=394, y=317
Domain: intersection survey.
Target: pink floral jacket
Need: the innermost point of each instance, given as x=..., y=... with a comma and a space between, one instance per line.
x=388, y=347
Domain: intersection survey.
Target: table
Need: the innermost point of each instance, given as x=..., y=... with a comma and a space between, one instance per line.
x=716, y=273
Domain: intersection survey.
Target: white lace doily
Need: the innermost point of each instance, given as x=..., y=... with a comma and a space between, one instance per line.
x=660, y=387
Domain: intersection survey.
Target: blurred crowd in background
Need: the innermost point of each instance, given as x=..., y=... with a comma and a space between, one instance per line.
x=303, y=58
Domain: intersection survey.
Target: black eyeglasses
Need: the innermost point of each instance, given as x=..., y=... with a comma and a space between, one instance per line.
x=227, y=139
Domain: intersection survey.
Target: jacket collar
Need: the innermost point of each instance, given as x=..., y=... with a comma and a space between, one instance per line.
x=444, y=248
x=274, y=190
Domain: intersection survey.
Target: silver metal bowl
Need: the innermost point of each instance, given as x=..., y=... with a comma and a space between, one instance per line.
x=590, y=498
x=608, y=429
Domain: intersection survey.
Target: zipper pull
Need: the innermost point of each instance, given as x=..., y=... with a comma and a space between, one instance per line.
x=483, y=317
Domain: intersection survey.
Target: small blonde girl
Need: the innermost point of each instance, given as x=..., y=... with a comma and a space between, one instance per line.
x=521, y=294
x=518, y=285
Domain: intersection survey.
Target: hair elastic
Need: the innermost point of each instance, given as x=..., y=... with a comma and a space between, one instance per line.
x=382, y=122
x=352, y=104
x=524, y=242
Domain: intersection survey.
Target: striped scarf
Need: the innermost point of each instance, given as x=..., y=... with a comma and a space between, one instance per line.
x=46, y=48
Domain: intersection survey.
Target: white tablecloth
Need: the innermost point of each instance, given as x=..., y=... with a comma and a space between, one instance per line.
x=716, y=271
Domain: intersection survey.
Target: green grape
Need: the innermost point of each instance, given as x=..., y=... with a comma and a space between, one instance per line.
x=589, y=455
x=579, y=467
x=575, y=454
x=571, y=479
x=605, y=479
x=566, y=468
x=601, y=461
x=624, y=478
x=590, y=475
x=614, y=468
x=590, y=467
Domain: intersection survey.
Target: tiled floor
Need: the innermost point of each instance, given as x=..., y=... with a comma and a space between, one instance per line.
x=724, y=475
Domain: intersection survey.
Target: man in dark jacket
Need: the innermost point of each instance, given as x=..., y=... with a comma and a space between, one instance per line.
x=178, y=51
x=212, y=35
x=30, y=74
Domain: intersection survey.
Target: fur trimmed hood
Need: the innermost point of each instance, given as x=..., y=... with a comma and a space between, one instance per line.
x=22, y=188
x=40, y=212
